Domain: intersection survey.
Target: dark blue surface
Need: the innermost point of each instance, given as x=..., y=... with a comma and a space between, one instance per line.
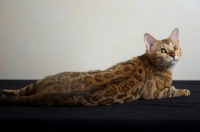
x=174, y=114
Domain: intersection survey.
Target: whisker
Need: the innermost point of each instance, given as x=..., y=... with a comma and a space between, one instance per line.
x=161, y=65
x=165, y=65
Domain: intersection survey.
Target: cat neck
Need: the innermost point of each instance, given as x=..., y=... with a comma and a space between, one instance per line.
x=146, y=58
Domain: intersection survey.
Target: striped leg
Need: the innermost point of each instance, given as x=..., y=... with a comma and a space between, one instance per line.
x=173, y=92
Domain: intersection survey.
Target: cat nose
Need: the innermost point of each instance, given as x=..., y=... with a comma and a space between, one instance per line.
x=172, y=55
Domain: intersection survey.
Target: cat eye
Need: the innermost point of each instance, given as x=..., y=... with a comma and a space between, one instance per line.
x=162, y=50
x=175, y=48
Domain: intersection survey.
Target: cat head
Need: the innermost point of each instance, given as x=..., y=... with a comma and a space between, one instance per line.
x=165, y=53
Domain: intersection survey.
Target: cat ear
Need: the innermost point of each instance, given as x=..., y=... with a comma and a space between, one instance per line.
x=149, y=41
x=175, y=35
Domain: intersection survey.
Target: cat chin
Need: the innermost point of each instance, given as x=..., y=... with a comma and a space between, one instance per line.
x=173, y=62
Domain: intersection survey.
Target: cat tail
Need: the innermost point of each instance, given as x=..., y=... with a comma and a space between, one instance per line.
x=32, y=100
x=10, y=97
x=41, y=99
x=25, y=91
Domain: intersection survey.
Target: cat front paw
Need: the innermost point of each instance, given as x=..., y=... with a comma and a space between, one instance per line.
x=185, y=92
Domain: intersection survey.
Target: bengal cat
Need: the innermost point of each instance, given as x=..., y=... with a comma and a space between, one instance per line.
x=145, y=77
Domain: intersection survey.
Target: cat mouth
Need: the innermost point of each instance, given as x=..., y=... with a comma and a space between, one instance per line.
x=173, y=61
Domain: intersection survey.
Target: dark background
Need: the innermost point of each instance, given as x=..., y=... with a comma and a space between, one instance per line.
x=173, y=114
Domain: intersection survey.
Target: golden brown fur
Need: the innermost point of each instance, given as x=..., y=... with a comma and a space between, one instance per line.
x=144, y=77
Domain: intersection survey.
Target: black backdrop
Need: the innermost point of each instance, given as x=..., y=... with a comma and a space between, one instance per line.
x=174, y=114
